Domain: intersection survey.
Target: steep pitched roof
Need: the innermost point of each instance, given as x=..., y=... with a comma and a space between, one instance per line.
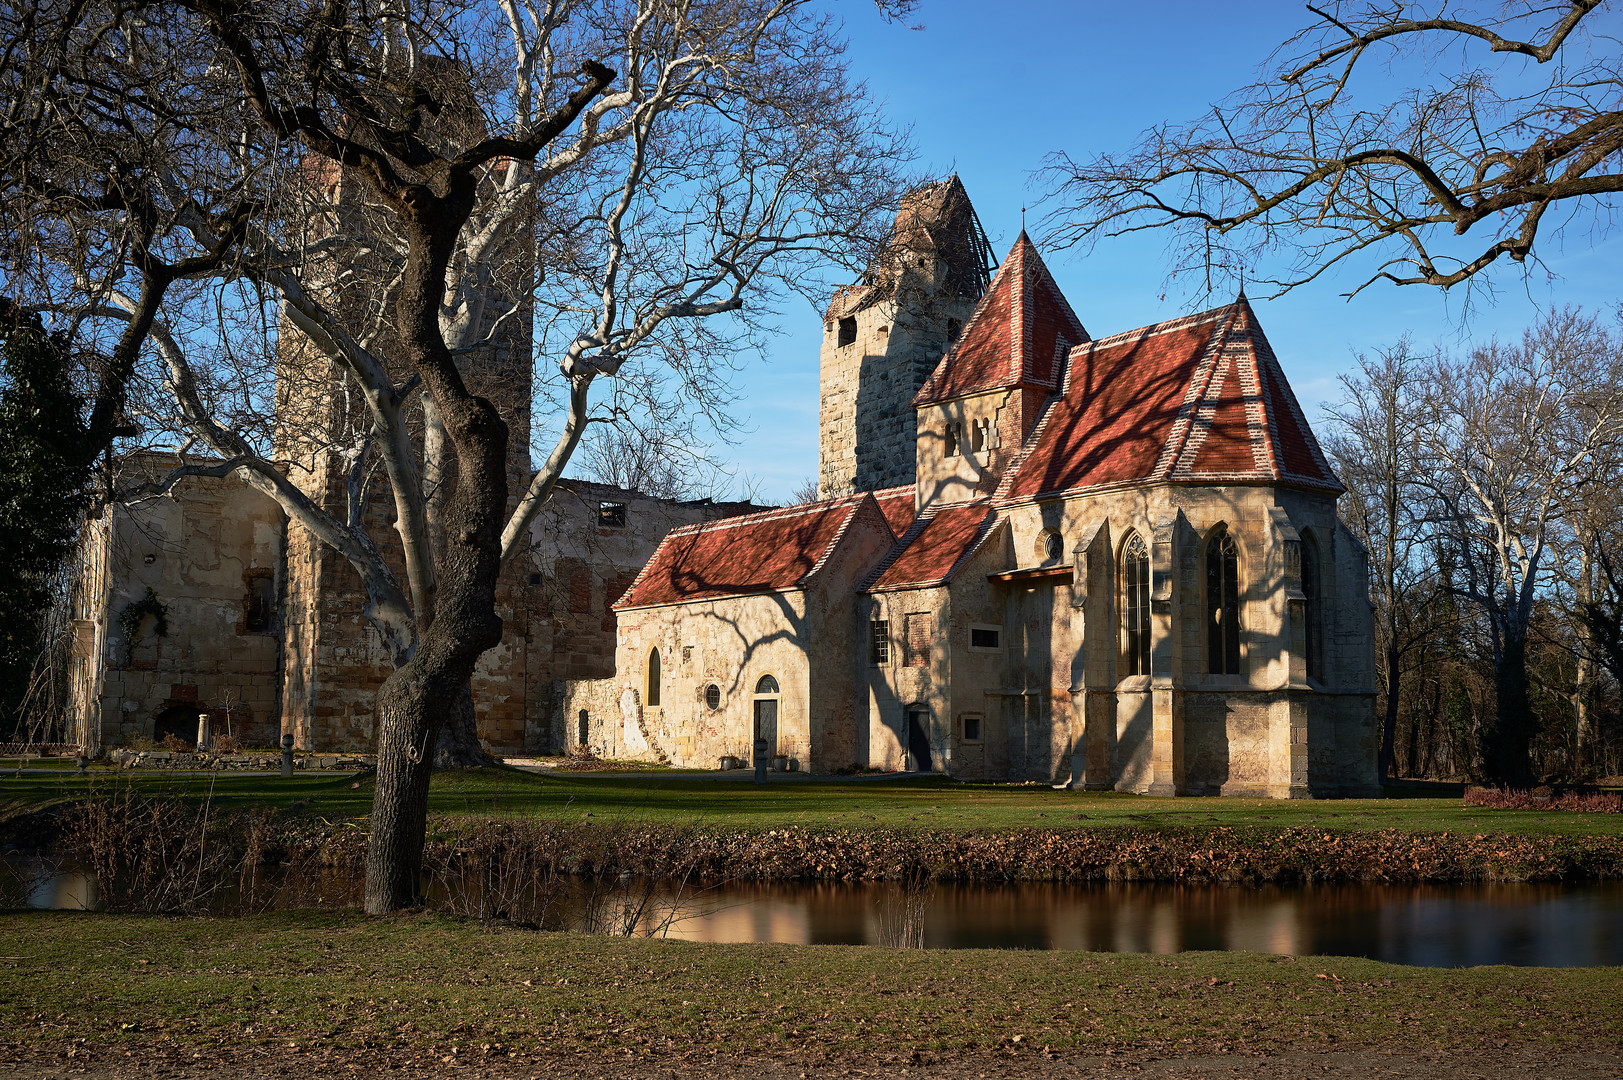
x=779, y=549
x=1017, y=336
x=937, y=543
x=1200, y=398
x=897, y=505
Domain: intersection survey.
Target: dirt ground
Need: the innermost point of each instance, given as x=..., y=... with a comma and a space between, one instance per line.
x=1331, y=1064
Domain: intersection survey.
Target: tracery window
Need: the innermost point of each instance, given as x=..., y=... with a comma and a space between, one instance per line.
x=1135, y=608
x=1222, y=604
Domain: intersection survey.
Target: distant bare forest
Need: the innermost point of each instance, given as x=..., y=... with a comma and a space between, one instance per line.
x=1488, y=490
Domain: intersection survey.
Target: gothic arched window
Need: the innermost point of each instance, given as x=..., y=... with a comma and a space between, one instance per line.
x=652, y=698
x=1135, y=607
x=1311, y=606
x=1222, y=604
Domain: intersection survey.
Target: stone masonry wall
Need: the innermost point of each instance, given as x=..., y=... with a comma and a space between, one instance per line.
x=208, y=552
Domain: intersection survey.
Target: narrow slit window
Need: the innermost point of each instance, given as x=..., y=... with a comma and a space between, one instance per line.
x=955, y=329
x=652, y=699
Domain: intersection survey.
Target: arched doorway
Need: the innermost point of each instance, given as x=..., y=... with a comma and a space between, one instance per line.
x=767, y=697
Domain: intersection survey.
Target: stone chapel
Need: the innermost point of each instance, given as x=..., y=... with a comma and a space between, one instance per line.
x=1038, y=555
x=1041, y=555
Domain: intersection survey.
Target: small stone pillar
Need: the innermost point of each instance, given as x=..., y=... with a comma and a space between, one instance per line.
x=760, y=761
x=287, y=754
x=204, y=738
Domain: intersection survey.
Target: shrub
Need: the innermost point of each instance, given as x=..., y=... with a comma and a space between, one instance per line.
x=1544, y=799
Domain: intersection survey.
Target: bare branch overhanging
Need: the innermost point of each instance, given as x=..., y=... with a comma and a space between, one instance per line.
x=1298, y=173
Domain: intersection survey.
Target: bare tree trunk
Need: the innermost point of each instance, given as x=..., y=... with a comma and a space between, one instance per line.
x=1389, y=725
x=1508, y=740
x=1583, y=690
x=459, y=746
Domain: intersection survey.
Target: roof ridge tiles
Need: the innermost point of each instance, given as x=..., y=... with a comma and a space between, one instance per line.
x=773, y=514
x=1265, y=357
x=1184, y=430
x=1155, y=328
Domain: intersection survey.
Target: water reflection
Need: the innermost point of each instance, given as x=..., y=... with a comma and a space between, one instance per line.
x=1426, y=925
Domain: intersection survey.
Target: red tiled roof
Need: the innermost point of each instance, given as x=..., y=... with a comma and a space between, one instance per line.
x=934, y=546
x=897, y=505
x=1198, y=398
x=778, y=549
x=1014, y=337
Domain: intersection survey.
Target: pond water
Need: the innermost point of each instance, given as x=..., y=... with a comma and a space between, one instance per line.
x=1425, y=925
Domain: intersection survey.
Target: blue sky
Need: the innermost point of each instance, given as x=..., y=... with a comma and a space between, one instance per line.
x=991, y=89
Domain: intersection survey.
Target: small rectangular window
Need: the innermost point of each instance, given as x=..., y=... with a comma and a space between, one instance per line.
x=848, y=331
x=954, y=328
x=611, y=515
x=985, y=638
x=879, y=642
x=972, y=729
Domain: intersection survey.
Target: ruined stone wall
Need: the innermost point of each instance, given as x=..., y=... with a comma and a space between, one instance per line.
x=336, y=660
x=210, y=552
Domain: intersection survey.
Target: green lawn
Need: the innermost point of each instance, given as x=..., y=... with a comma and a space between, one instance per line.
x=433, y=983
x=939, y=804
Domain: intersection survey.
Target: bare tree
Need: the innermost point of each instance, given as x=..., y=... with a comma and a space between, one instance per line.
x=1376, y=444
x=381, y=194
x=1420, y=143
x=1515, y=433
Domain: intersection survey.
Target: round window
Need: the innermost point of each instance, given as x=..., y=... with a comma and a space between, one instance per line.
x=1053, y=546
x=712, y=696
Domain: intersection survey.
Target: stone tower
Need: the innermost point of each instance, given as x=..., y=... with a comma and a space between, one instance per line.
x=884, y=335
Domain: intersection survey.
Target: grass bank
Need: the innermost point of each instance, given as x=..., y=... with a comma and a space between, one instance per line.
x=887, y=804
x=440, y=986
x=527, y=832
